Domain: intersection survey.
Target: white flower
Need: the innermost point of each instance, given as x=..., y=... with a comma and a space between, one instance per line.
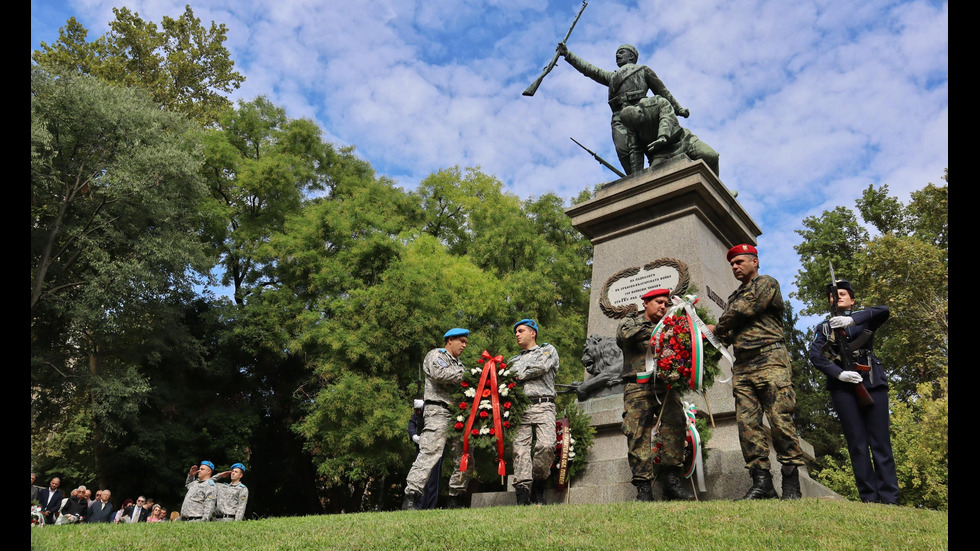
x=504, y=391
x=504, y=373
x=572, y=440
x=506, y=414
x=459, y=418
x=485, y=404
x=485, y=430
x=571, y=454
x=469, y=393
x=476, y=371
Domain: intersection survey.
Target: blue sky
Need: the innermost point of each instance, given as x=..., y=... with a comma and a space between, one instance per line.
x=807, y=102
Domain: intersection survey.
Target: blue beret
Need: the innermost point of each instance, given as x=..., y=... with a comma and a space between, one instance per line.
x=238, y=466
x=456, y=332
x=528, y=322
x=208, y=464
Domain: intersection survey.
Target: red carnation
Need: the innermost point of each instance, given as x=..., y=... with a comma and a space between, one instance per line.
x=458, y=426
x=462, y=405
x=507, y=405
x=486, y=393
x=491, y=432
x=506, y=424
x=511, y=385
x=464, y=384
x=484, y=415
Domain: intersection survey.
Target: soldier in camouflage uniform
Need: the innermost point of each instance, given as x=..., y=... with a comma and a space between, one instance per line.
x=535, y=367
x=232, y=498
x=443, y=371
x=199, y=501
x=762, y=377
x=641, y=403
x=627, y=86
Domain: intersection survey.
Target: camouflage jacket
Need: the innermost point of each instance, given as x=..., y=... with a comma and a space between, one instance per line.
x=443, y=372
x=632, y=336
x=536, y=368
x=753, y=317
x=232, y=499
x=199, y=501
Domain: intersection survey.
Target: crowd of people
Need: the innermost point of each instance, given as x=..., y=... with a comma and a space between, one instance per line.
x=205, y=500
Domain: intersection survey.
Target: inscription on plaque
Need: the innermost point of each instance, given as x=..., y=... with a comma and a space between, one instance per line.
x=621, y=293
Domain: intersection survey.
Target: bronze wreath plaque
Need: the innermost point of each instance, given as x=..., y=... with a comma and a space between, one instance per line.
x=621, y=293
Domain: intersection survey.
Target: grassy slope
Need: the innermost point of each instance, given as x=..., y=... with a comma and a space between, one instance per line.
x=809, y=524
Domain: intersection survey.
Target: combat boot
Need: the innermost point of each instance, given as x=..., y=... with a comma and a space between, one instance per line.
x=673, y=489
x=643, y=491
x=537, y=492
x=411, y=500
x=761, y=485
x=453, y=502
x=523, y=495
x=791, y=482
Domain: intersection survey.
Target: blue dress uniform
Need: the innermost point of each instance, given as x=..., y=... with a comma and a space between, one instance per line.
x=864, y=428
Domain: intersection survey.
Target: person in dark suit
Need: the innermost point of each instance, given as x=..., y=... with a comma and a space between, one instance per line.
x=866, y=428
x=135, y=512
x=50, y=500
x=101, y=510
x=35, y=490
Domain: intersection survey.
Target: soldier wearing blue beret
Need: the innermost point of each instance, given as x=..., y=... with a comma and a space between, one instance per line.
x=443, y=371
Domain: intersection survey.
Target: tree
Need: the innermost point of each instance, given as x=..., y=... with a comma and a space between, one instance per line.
x=183, y=66
x=115, y=232
x=260, y=165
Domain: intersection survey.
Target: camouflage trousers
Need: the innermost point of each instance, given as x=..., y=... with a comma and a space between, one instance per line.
x=639, y=418
x=764, y=384
x=539, y=419
x=432, y=443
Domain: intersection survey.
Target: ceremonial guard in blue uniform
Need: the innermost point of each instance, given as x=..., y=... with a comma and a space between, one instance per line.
x=866, y=428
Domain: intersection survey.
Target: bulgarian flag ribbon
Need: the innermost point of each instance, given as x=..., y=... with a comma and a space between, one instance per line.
x=697, y=466
x=487, y=388
x=684, y=306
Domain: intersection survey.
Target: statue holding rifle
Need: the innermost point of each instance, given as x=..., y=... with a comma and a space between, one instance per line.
x=627, y=86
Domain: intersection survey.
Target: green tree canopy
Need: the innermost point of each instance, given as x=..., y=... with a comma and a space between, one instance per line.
x=181, y=64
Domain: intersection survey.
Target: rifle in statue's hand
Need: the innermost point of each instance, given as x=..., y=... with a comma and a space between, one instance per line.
x=534, y=85
x=602, y=161
x=847, y=362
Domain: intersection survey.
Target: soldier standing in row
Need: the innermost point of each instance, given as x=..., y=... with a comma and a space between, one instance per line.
x=199, y=502
x=443, y=372
x=762, y=377
x=233, y=497
x=536, y=367
x=642, y=402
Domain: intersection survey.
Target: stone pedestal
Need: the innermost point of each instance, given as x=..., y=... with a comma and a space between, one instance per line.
x=678, y=210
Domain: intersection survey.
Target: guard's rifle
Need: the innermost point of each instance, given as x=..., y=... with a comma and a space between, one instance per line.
x=847, y=362
x=602, y=161
x=534, y=85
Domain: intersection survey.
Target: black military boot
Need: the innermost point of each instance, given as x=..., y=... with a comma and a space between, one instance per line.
x=523, y=495
x=673, y=489
x=454, y=502
x=411, y=500
x=537, y=491
x=761, y=485
x=791, y=482
x=643, y=491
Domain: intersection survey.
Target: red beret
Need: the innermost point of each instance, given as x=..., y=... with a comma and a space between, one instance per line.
x=741, y=249
x=653, y=293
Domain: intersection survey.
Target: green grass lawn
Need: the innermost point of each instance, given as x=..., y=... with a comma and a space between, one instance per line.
x=752, y=526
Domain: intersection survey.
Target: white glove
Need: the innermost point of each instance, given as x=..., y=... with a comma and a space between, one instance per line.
x=415, y=437
x=417, y=404
x=849, y=376
x=840, y=322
